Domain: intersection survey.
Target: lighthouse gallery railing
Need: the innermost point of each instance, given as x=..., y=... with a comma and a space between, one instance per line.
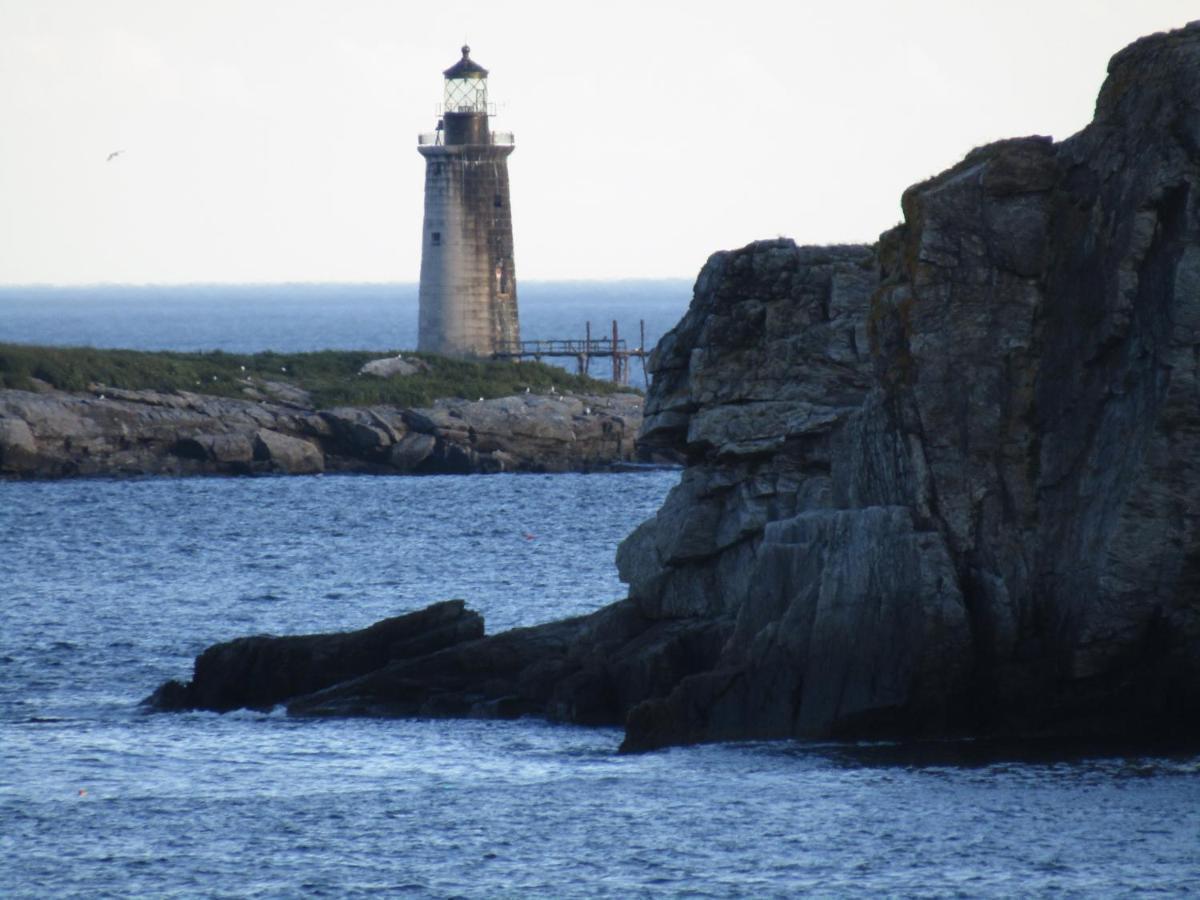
x=434, y=139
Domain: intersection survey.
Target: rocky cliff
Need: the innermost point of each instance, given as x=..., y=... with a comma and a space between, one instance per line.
x=946, y=484
x=960, y=494
x=52, y=434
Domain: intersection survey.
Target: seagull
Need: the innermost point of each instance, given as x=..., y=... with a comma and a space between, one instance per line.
x=114, y=155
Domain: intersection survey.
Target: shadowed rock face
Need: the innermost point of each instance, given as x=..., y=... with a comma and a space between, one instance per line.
x=1001, y=533
x=947, y=484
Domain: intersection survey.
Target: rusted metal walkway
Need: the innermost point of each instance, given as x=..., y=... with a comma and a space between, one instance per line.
x=585, y=350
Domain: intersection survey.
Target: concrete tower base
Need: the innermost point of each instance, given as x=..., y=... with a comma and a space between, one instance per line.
x=468, y=296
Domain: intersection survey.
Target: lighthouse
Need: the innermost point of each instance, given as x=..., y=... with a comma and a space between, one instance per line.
x=468, y=295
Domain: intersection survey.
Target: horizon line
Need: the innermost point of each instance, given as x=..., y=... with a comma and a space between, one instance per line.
x=41, y=285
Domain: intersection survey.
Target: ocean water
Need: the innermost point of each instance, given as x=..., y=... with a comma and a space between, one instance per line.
x=109, y=587
x=301, y=317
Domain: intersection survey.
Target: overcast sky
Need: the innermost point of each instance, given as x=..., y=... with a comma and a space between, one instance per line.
x=275, y=140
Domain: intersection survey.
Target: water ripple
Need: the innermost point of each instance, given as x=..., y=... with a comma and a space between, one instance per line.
x=113, y=586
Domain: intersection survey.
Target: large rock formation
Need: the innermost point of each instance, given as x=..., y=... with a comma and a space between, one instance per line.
x=996, y=528
x=52, y=434
x=947, y=484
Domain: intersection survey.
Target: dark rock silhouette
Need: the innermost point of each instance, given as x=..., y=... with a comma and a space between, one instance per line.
x=260, y=672
x=948, y=484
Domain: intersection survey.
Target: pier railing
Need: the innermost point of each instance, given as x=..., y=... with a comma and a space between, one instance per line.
x=583, y=351
x=593, y=347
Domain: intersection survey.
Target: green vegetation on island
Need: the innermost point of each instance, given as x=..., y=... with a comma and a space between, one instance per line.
x=331, y=377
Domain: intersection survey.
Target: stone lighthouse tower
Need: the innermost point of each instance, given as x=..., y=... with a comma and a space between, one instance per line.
x=468, y=296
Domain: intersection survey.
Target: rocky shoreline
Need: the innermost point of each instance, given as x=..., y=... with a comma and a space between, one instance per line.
x=107, y=432
x=948, y=484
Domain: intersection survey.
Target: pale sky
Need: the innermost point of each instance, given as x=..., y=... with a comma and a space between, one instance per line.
x=275, y=140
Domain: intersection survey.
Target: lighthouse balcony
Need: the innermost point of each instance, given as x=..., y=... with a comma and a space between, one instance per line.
x=435, y=139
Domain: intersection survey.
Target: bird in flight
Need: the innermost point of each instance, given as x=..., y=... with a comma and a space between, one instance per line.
x=114, y=155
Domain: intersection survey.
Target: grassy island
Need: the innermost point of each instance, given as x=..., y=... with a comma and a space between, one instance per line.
x=331, y=377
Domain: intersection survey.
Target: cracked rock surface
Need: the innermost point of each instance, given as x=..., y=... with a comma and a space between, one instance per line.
x=53, y=434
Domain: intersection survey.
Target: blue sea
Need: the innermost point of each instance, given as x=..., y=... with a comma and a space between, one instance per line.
x=109, y=587
x=299, y=317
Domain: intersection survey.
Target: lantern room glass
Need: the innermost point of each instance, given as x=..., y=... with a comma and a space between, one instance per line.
x=466, y=95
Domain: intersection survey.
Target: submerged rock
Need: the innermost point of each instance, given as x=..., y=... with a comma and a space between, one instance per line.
x=948, y=484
